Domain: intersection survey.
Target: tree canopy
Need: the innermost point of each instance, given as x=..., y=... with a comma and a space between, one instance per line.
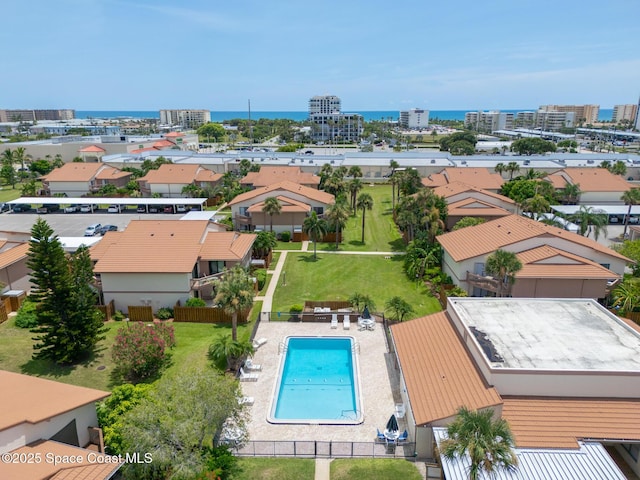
x=459, y=143
x=234, y=293
x=532, y=145
x=211, y=130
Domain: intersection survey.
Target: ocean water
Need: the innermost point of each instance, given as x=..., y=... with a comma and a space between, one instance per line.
x=605, y=114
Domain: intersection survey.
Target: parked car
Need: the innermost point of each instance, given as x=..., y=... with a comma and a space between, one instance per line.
x=48, y=208
x=113, y=209
x=168, y=209
x=4, y=207
x=107, y=228
x=154, y=208
x=86, y=208
x=182, y=208
x=21, y=207
x=142, y=209
x=72, y=209
x=92, y=230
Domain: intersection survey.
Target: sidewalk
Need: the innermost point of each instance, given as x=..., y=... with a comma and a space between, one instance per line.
x=323, y=469
x=267, y=299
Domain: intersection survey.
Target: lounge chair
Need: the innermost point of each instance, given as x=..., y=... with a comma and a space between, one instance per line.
x=247, y=377
x=246, y=401
x=334, y=320
x=346, y=323
x=259, y=342
x=380, y=436
x=249, y=365
x=403, y=437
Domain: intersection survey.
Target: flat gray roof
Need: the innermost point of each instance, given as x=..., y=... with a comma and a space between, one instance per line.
x=551, y=334
x=108, y=201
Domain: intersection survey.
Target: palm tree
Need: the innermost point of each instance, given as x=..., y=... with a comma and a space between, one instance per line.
x=19, y=157
x=355, y=172
x=630, y=197
x=325, y=173
x=500, y=168
x=571, y=193
x=512, y=167
x=337, y=215
x=588, y=218
x=355, y=186
x=224, y=347
x=434, y=223
x=488, y=442
x=364, y=203
x=399, y=307
x=503, y=265
x=265, y=242
x=234, y=293
x=393, y=165
x=536, y=205
x=316, y=228
x=627, y=296
x=271, y=207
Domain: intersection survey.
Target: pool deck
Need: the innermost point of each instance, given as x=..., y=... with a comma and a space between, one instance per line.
x=378, y=379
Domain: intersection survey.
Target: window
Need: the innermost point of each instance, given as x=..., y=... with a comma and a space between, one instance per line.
x=216, y=266
x=243, y=211
x=606, y=265
x=318, y=210
x=633, y=449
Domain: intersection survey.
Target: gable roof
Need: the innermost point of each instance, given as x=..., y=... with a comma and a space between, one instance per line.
x=13, y=255
x=438, y=372
x=593, y=179
x=287, y=205
x=25, y=402
x=472, y=207
x=78, y=172
x=286, y=186
x=226, y=245
x=558, y=422
x=151, y=246
x=479, y=177
x=274, y=174
x=488, y=237
x=549, y=262
x=92, y=149
x=172, y=173
x=458, y=187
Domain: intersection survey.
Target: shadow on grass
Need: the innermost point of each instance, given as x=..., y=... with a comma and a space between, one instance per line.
x=397, y=245
x=357, y=243
x=48, y=368
x=308, y=258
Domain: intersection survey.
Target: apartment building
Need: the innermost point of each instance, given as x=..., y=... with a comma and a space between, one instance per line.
x=36, y=115
x=489, y=121
x=583, y=113
x=550, y=120
x=324, y=104
x=627, y=112
x=414, y=119
x=525, y=119
x=185, y=118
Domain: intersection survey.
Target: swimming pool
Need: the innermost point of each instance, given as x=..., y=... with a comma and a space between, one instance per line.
x=317, y=382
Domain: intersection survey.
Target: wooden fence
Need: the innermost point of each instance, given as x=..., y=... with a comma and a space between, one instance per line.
x=205, y=315
x=333, y=305
x=139, y=313
x=107, y=310
x=4, y=316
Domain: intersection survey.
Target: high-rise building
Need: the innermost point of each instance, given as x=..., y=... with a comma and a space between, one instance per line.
x=36, y=115
x=553, y=121
x=330, y=124
x=525, y=120
x=627, y=112
x=324, y=104
x=488, y=121
x=414, y=119
x=583, y=113
x=185, y=118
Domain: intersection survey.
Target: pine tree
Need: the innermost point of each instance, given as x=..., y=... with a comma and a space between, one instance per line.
x=68, y=323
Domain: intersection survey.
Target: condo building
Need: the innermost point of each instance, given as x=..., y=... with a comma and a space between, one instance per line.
x=414, y=119
x=185, y=118
x=627, y=112
x=583, y=113
x=489, y=121
x=330, y=124
x=36, y=115
x=324, y=104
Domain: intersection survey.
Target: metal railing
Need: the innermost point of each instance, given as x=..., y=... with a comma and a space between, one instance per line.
x=321, y=449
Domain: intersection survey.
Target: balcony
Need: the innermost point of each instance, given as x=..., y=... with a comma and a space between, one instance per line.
x=200, y=282
x=489, y=283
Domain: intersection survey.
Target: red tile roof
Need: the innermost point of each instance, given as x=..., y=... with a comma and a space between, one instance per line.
x=269, y=175
x=550, y=262
x=480, y=178
x=92, y=149
x=13, y=255
x=593, y=179
x=286, y=186
x=471, y=207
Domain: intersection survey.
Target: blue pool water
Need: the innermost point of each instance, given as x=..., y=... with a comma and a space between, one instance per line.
x=318, y=382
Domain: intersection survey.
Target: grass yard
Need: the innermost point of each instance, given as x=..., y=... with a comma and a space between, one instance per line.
x=288, y=245
x=192, y=340
x=373, y=469
x=380, y=232
x=7, y=193
x=276, y=468
x=338, y=276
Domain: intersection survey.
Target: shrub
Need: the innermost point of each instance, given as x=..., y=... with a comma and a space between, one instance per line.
x=297, y=308
x=26, y=317
x=195, y=302
x=118, y=316
x=139, y=349
x=285, y=236
x=261, y=276
x=164, y=313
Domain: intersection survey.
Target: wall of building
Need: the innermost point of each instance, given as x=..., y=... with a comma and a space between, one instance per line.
x=559, y=288
x=156, y=290
x=71, y=189
x=25, y=433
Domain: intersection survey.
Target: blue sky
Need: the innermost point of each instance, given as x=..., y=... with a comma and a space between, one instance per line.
x=375, y=55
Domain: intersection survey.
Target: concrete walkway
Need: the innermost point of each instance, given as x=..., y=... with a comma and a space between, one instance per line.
x=323, y=469
x=305, y=246
x=267, y=299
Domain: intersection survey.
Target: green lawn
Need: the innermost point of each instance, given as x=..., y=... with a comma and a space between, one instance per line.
x=16, y=347
x=288, y=245
x=373, y=469
x=338, y=276
x=7, y=193
x=276, y=469
x=380, y=232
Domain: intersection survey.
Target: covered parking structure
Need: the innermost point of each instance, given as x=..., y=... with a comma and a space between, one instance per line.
x=615, y=213
x=123, y=203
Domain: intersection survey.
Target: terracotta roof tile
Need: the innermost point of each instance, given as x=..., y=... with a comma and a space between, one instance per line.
x=174, y=134
x=594, y=179
x=471, y=207
x=163, y=144
x=269, y=175
x=286, y=186
x=557, y=423
x=26, y=405
x=206, y=175
x=434, y=180
x=490, y=236
x=550, y=262
x=92, y=149
x=74, y=172
x=439, y=374
x=111, y=173
x=47, y=470
x=457, y=187
x=226, y=245
x=171, y=173
x=13, y=255
x=286, y=204
x=480, y=178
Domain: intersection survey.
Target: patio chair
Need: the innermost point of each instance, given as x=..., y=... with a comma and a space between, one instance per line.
x=380, y=436
x=246, y=401
x=249, y=365
x=247, y=377
x=334, y=320
x=403, y=437
x=346, y=323
x=259, y=342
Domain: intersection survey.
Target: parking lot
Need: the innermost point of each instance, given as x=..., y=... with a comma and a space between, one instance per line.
x=74, y=224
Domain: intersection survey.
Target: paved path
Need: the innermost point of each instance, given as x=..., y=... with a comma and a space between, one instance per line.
x=323, y=469
x=305, y=246
x=267, y=299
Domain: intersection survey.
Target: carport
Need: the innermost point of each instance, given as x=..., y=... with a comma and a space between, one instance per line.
x=123, y=203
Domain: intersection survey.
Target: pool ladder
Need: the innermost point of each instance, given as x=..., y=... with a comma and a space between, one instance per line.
x=282, y=347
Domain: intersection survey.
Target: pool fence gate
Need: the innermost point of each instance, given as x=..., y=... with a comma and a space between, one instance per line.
x=323, y=449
